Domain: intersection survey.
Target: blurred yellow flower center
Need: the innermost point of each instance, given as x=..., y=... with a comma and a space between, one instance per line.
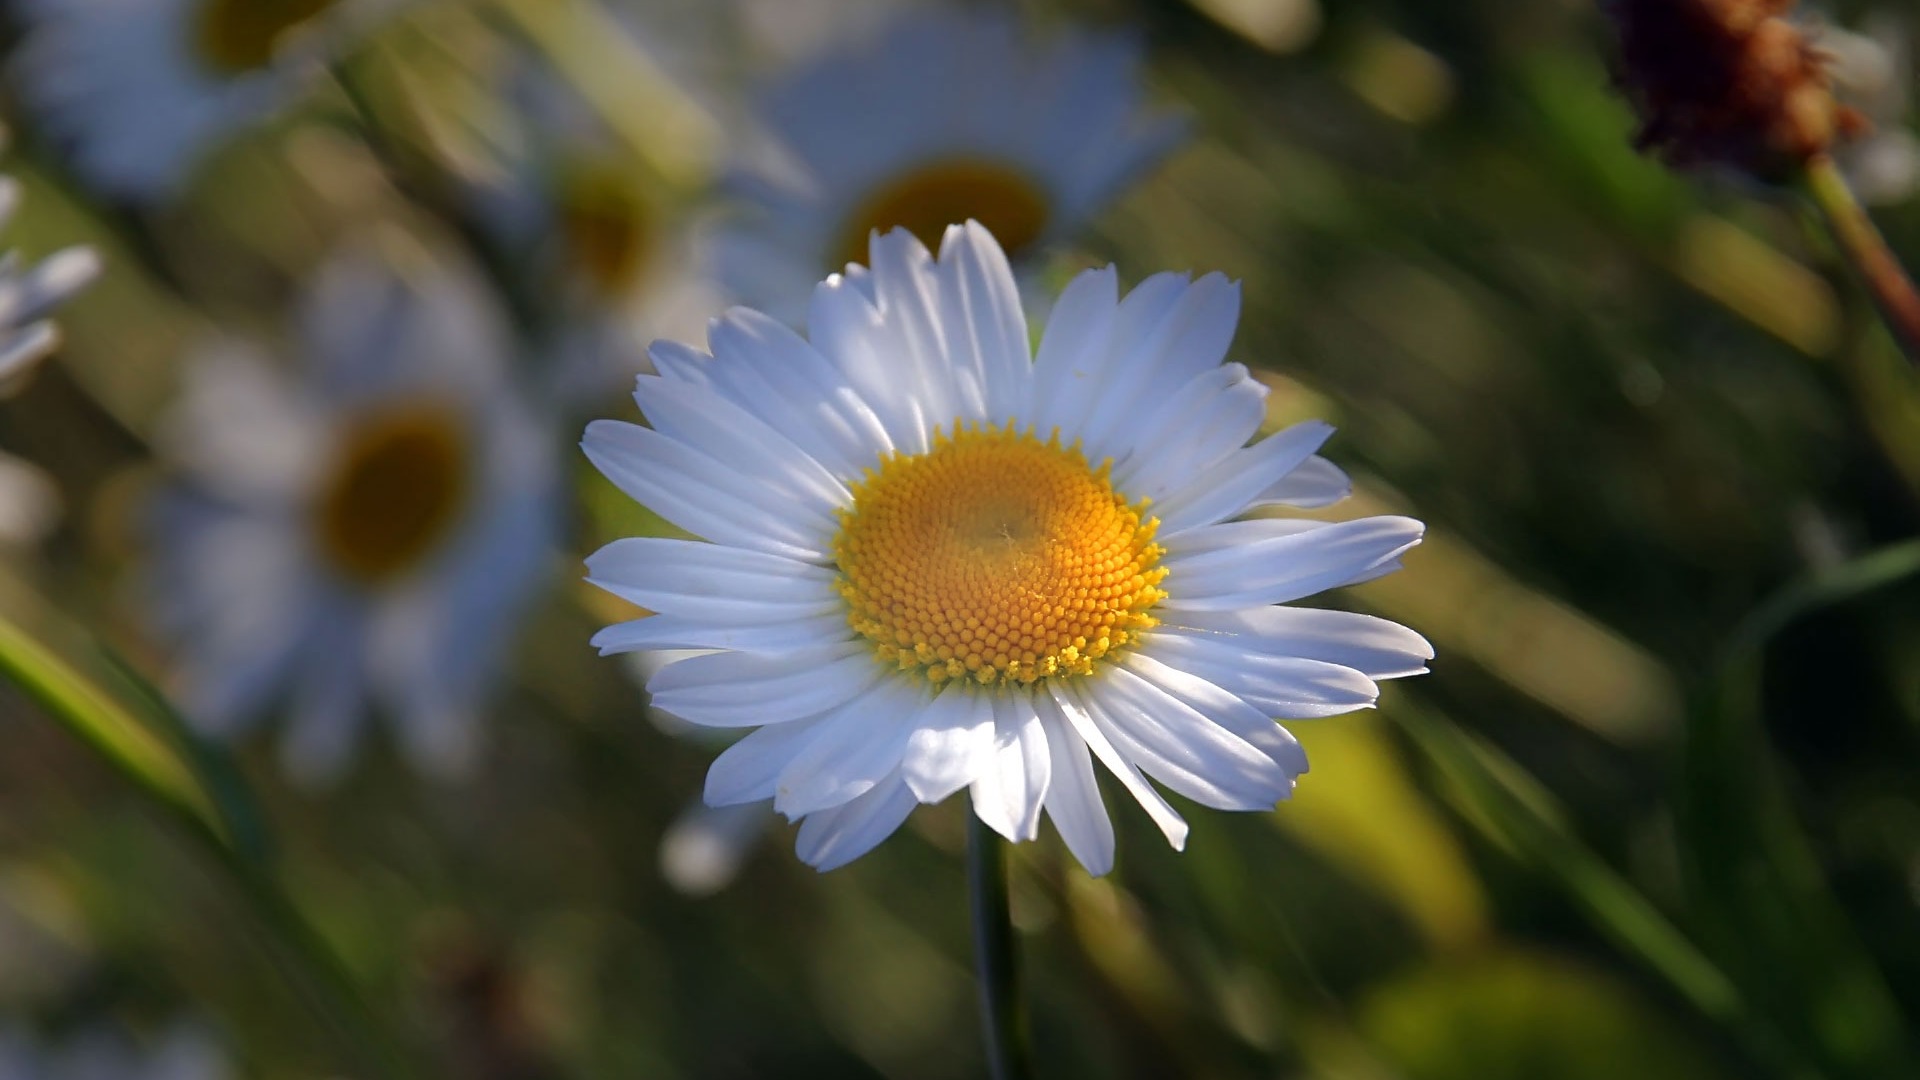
x=237, y=36
x=609, y=225
x=925, y=201
x=396, y=487
x=998, y=558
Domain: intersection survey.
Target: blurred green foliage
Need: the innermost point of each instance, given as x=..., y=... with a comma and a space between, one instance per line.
x=1642, y=820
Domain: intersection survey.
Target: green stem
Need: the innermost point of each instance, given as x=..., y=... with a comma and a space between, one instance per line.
x=1861, y=242
x=993, y=953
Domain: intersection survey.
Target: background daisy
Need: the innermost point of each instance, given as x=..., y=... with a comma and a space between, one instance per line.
x=596, y=229
x=930, y=564
x=28, y=294
x=362, y=534
x=139, y=91
x=945, y=116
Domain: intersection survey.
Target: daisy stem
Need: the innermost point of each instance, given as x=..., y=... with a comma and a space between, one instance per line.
x=993, y=954
x=1866, y=249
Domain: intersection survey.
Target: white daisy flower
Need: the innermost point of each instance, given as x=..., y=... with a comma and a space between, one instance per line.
x=363, y=535
x=605, y=242
x=141, y=90
x=933, y=561
x=947, y=117
x=28, y=294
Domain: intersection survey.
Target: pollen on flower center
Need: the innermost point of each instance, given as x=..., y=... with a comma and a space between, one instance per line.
x=237, y=36
x=997, y=557
x=397, y=484
x=1013, y=207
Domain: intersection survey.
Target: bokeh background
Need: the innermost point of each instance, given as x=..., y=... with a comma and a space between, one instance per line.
x=1655, y=813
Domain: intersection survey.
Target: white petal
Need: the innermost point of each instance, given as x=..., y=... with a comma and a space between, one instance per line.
x=678, y=632
x=847, y=329
x=775, y=374
x=1157, y=350
x=1207, y=419
x=853, y=748
x=1317, y=482
x=741, y=442
x=1227, y=710
x=1283, y=686
x=833, y=838
x=906, y=290
x=1071, y=349
x=1102, y=377
x=712, y=582
x=746, y=771
x=697, y=493
x=1073, y=794
x=1243, y=564
x=21, y=348
x=1374, y=647
x=1225, y=489
x=743, y=690
x=1182, y=748
x=1010, y=791
x=986, y=329
x=951, y=744
x=1076, y=712
x=328, y=711
x=54, y=279
x=441, y=738
x=682, y=362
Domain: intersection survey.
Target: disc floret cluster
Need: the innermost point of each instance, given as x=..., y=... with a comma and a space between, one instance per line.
x=996, y=557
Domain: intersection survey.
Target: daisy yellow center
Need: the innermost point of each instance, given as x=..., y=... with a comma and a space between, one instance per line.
x=238, y=36
x=608, y=224
x=397, y=485
x=1013, y=207
x=996, y=557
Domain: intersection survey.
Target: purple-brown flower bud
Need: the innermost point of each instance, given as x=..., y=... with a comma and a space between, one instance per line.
x=1728, y=82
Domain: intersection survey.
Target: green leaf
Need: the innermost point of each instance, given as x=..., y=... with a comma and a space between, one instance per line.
x=94, y=716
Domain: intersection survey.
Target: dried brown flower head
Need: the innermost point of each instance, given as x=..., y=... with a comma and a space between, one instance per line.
x=1728, y=82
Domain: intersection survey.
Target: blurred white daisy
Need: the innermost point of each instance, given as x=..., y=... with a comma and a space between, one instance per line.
x=185, y=1051
x=946, y=117
x=363, y=535
x=935, y=562
x=140, y=90
x=1873, y=72
x=27, y=294
x=597, y=235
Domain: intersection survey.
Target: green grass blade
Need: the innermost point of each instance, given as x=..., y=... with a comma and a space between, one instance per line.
x=1511, y=809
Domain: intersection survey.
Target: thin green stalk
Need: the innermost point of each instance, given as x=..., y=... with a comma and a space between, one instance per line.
x=1860, y=240
x=668, y=132
x=1499, y=798
x=993, y=953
